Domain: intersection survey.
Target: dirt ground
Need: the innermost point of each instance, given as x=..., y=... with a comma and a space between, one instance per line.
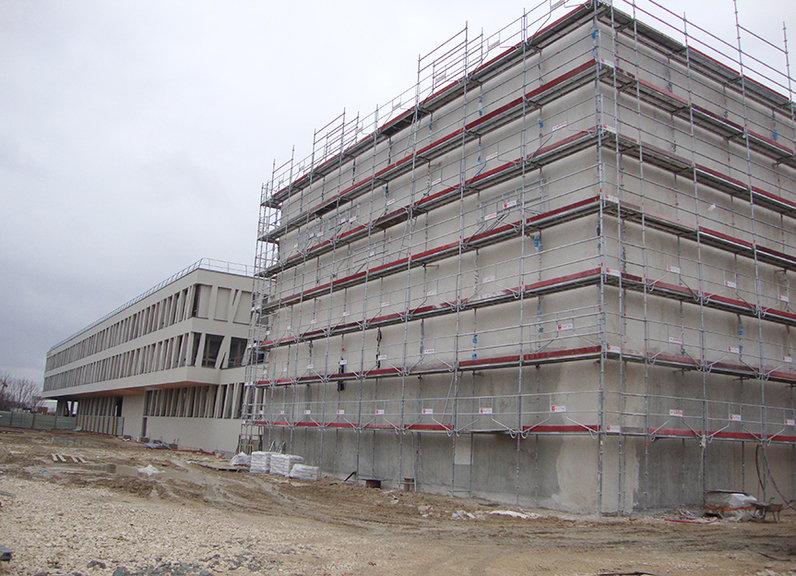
x=97, y=514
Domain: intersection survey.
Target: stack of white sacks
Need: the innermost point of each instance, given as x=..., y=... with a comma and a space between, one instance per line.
x=303, y=472
x=261, y=462
x=282, y=464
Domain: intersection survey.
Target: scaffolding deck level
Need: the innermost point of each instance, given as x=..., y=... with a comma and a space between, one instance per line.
x=541, y=429
x=592, y=277
x=678, y=362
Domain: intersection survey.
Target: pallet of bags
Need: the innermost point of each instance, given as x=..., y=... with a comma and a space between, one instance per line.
x=261, y=462
x=303, y=472
x=281, y=464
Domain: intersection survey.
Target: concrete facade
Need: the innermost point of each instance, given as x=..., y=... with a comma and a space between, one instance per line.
x=168, y=365
x=555, y=272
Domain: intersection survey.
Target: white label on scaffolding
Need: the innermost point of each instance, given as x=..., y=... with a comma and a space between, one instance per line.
x=788, y=359
x=783, y=298
x=674, y=340
x=559, y=126
x=613, y=429
x=390, y=202
x=486, y=410
x=733, y=349
x=381, y=357
x=267, y=332
x=307, y=412
x=431, y=293
x=492, y=156
x=281, y=412
x=730, y=284
x=435, y=182
x=428, y=410
x=567, y=326
x=288, y=327
x=385, y=304
x=735, y=417
x=489, y=279
x=558, y=408
x=295, y=246
x=284, y=368
x=616, y=349
x=340, y=412
x=675, y=269
x=507, y=205
x=429, y=351
x=490, y=216
x=676, y=413
x=608, y=127
x=352, y=219
x=379, y=411
x=346, y=313
x=790, y=422
x=343, y=362
x=314, y=321
x=310, y=366
x=605, y=62
x=612, y=272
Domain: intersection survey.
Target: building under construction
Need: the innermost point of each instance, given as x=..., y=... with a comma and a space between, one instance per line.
x=554, y=272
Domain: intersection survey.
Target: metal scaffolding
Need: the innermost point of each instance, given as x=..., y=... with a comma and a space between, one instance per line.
x=580, y=226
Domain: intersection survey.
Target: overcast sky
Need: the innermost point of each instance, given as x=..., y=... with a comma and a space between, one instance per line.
x=135, y=135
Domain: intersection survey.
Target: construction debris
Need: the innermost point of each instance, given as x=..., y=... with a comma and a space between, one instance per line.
x=728, y=505
x=149, y=470
x=5, y=554
x=62, y=458
x=514, y=514
x=241, y=459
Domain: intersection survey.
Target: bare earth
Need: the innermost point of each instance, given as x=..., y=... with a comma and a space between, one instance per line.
x=104, y=517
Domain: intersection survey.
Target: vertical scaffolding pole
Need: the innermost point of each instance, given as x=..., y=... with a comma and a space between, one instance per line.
x=620, y=233
x=761, y=371
x=601, y=321
x=700, y=268
x=645, y=267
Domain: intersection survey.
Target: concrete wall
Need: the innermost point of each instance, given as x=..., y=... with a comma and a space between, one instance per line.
x=208, y=434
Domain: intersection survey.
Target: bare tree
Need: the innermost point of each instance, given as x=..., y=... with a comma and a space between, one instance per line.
x=18, y=393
